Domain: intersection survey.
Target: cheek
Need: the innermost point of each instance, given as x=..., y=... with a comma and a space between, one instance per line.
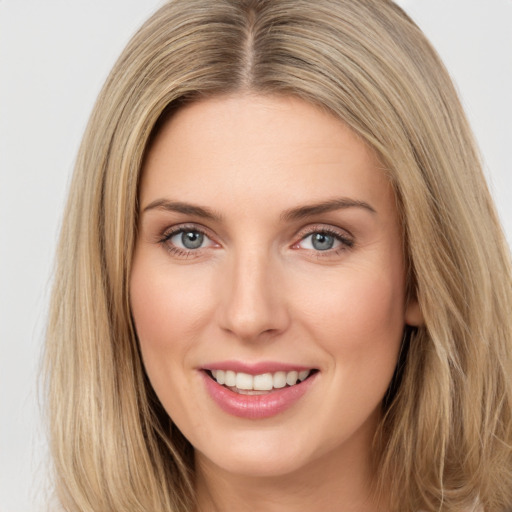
x=169, y=310
x=358, y=319
x=356, y=307
x=361, y=329
x=166, y=304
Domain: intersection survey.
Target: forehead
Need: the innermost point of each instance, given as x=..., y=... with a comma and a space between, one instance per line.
x=266, y=149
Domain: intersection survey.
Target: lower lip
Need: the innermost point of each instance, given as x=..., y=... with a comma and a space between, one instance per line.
x=256, y=406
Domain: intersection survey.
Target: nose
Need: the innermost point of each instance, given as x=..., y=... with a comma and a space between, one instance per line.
x=253, y=301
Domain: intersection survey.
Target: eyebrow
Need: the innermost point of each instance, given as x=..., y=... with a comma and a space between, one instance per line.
x=293, y=214
x=186, y=208
x=341, y=203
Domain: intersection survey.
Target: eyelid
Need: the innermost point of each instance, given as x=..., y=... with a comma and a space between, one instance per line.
x=170, y=232
x=342, y=235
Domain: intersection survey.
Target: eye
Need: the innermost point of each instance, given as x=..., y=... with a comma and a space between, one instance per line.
x=184, y=240
x=319, y=241
x=188, y=239
x=324, y=240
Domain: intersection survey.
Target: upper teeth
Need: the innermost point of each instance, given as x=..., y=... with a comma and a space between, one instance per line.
x=262, y=382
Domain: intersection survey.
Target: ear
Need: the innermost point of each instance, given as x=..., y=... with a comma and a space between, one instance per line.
x=413, y=314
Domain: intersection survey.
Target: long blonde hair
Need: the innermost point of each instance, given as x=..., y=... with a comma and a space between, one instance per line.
x=446, y=438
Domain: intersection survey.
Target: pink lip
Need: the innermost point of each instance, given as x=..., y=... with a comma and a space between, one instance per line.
x=255, y=368
x=256, y=406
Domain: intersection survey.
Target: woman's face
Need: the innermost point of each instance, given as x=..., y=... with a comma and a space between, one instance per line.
x=269, y=250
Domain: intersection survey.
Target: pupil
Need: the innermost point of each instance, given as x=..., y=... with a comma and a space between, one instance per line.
x=192, y=239
x=322, y=242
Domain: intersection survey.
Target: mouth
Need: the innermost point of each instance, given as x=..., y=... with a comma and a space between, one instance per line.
x=260, y=384
x=258, y=390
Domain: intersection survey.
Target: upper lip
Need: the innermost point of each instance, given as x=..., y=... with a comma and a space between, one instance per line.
x=253, y=368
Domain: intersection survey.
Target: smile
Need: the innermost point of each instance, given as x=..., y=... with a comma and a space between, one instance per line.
x=245, y=383
x=257, y=395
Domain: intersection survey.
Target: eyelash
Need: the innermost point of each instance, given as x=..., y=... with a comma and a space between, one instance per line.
x=178, y=251
x=346, y=242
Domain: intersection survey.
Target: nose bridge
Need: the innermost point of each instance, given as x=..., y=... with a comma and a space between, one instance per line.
x=252, y=304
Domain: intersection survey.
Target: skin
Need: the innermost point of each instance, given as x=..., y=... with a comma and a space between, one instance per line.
x=259, y=290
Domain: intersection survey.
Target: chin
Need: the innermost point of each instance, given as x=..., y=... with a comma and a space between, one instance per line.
x=262, y=455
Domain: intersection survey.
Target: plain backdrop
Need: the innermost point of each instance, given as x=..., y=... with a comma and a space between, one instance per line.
x=54, y=57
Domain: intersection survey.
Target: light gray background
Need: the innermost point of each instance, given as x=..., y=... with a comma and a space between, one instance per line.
x=54, y=57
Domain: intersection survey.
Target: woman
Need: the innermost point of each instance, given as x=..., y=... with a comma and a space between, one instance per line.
x=281, y=281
